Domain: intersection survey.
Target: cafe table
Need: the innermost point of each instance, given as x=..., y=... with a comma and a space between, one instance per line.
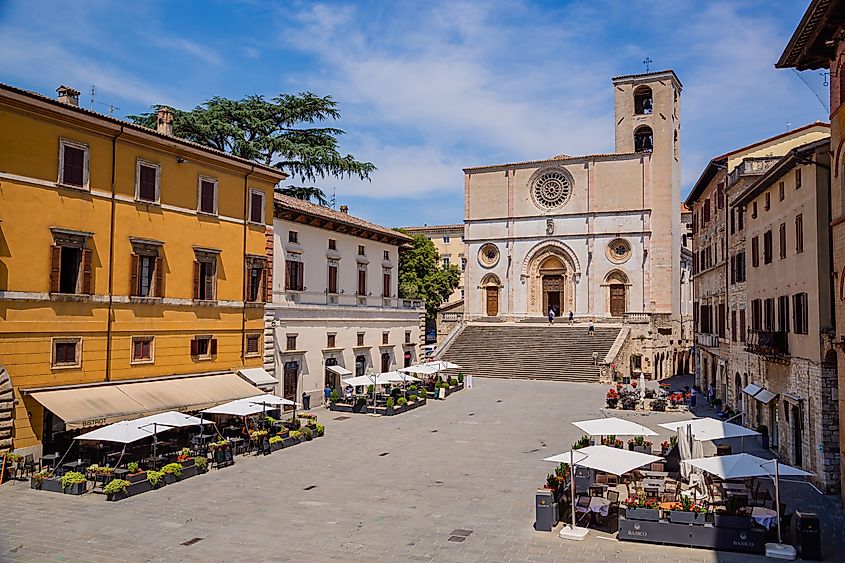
x=50, y=458
x=766, y=517
x=598, y=505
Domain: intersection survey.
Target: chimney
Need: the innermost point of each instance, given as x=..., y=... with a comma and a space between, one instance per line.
x=344, y=209
x=68, y=95
x=164, y=120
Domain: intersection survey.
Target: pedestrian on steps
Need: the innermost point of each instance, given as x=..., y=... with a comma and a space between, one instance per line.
x=551, y=315
x=591, y=331
x=571, y=316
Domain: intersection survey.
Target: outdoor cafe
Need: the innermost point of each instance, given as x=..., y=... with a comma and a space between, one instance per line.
x=674, y=495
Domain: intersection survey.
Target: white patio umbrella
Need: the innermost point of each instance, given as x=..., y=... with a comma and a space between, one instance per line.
x=613, y=426
x=422, y=369
x=445, y=364
x=609, y=460
x=123, y=432
x=743, y=465
x=399, y=377
x=707, y=429
x=269, y=401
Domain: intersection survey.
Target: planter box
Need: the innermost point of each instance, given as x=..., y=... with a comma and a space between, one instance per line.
x=642, y=449
x=648, y=514
x=708, y=537
x=341, y=407
x=288, y=442
x=190, y=471
x=682, y=517
x=732, y=521
x=136, y=477
x=117, y=496
x=76, y=488
x=188, y=463
x=359, y=408
x=52, y=484
x=276, y=446
x=170, y=478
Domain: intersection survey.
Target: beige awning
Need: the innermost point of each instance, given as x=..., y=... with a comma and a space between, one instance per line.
x=86, y=407
x=258, y=376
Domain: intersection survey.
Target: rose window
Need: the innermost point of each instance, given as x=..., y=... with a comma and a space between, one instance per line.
x=488, y=255
x=551, y=189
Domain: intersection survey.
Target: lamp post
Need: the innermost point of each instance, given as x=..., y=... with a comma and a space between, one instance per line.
x=155, y=426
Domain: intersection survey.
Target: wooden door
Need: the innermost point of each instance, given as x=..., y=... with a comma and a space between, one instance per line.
x=492, y=301
x=291, y=374
x=617, y=300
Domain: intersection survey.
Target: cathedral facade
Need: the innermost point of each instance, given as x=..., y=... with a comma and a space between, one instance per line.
x=597, y=235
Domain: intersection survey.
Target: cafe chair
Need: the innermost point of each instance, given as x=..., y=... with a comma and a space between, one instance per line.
x=25, y=467
x=657, y=466
x=612, y=480
x=651, y=492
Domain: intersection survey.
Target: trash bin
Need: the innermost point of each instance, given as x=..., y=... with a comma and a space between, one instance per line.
x=546, y=518
x=306, y=401
x=806, y=535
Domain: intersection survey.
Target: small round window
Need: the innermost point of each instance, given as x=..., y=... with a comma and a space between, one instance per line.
x=488, y=255
x=619, y=250
x=551, y=189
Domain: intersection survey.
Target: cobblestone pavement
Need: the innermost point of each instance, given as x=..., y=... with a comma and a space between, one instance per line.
x=385, y=489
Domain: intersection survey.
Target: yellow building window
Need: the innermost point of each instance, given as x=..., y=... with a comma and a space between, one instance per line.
x=253, y=345
x=143, y=349
x=67, y=352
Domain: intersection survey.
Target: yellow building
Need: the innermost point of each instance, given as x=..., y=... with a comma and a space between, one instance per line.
x=125, y=254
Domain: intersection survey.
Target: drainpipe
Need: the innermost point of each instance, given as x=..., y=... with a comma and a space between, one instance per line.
x=110, y=320
x=243, y=253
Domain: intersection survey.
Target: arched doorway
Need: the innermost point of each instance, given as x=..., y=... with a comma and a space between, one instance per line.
x=552, y=275
x=617, y=283
x=490, y=285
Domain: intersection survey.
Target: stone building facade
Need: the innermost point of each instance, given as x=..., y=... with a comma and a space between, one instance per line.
x=819, y=43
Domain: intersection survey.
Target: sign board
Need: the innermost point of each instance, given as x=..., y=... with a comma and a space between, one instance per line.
x=468, y=381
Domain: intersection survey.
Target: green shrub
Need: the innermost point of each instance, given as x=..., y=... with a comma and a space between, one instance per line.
x=276, y=439
x=321, y=430
x=295, y=434
x=453, y=382
x=116, y=486
x=173, y=468
x=72, y=478
x=335, y=397
x=390, y=403
x=133, y=467
x=460, y=377
x=402, y=401
x=361, y=401
x=369, y=389
x=154, y=477
x=414, y=398
x=307, y=432
x=201, y=462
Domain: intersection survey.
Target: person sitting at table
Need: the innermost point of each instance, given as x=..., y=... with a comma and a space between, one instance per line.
x=347, y=392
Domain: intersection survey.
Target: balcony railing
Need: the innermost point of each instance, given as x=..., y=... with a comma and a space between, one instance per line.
x=754, y=166
x=348, y=300
x=767, y=343
x=709, y=340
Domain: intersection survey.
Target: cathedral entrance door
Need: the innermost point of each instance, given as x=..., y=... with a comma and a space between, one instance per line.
x=617, y=300
x=552, y=293
x=492, y=301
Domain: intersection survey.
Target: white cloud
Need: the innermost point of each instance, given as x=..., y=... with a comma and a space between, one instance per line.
x=196, y=50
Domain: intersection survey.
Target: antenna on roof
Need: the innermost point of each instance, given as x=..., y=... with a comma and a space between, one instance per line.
x=110, y=107
x=647, y=62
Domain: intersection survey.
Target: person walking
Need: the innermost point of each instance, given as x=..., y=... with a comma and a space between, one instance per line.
x=551, y=315
x=692, y=398
x=327, y=393
x=591, y=330
x=571, y=316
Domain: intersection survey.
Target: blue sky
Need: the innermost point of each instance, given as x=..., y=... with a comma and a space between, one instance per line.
x=427, y=88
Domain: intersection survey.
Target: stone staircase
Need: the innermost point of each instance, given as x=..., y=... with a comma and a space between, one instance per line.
x=560, y=352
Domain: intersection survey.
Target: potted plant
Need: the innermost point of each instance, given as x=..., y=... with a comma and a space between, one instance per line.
x=659, y=405
x=334, y=397
x=135, y=474
x=664, y=447
x=391, y=403
x=276, y=443
x=116, y=489
x=308, y=433
x=461, y=378
x=156, y=478
x=687, y=512
x=729, y=516
x=172, y=472
x=321, y=430
x=186, y=456
x=73, y=483
x=612, y=398
x=360, y=405
x=641, y=508
x=764, y=435
x=201, y=463
x=40, y=478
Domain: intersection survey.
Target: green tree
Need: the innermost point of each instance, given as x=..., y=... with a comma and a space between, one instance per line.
x=280, y=132
x=421, y=275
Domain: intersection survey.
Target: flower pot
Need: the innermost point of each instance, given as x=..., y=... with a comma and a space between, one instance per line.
x=139, y=487
x=187, y=463
x=275, y=446
x=683, y=517
x=53, y=484
x=170, y=478
x=288, y=442
x=642, y=449
x=612, y=403
x=116, y=496
x=648, y=514
x=190, y=471
x=136, y=477
x=75, y=488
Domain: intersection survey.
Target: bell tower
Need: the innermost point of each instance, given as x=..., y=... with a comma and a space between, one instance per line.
x=647, y=110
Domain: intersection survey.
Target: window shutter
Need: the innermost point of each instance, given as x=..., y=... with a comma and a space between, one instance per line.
x=212, y=346
x=159, y=275
x=247, y=282
x=288, y=268
x=264, y=296
x=86, y=271
x=133, y=275
x=196, y=280
x=55, y=262
x=209, y=281
x=194, y=347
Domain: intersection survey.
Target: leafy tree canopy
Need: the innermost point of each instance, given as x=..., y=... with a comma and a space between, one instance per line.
x=421, y=275
x=281, y=132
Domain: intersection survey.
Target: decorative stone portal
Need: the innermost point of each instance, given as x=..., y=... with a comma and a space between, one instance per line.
x=550, y=272
x=7, y=404
x=490, y=285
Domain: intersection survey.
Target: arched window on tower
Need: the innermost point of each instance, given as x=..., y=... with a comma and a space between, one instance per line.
x=642, y=100
x=643, y=139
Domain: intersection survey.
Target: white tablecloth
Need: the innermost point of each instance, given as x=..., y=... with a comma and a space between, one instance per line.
x=766, y=517
x=598, y=505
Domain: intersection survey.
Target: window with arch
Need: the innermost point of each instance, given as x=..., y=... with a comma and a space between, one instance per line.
x=643, y=101
x=643, y=139
x=675, y=144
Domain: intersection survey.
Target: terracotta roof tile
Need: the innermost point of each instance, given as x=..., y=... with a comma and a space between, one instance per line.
x=314, y=210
